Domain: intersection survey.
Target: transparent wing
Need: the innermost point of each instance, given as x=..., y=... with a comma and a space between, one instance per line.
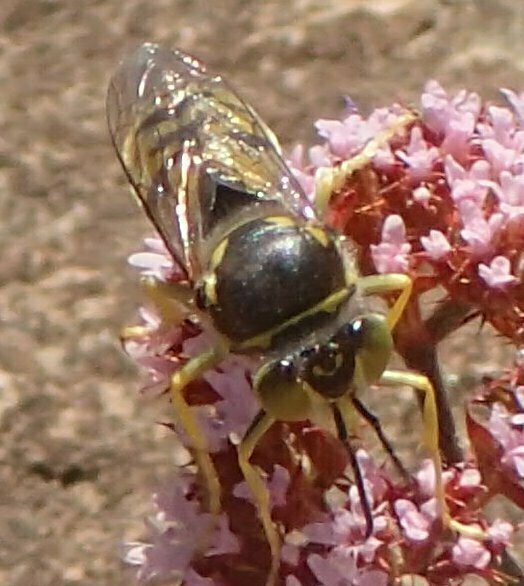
x=185, y=140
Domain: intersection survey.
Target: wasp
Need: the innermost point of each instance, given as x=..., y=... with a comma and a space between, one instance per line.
x=262, y=272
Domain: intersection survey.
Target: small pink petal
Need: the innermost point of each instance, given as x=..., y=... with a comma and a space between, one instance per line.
x=151, y=262
x=470, y=478
x=498, y=274
x=295, y=157
x=436, y=244
x=516, y=102
x=501, y=531
x=290, y=554
x=468, y=552
x=422, y=195
x=415, y=525
x=391, y=255
x=426, y=478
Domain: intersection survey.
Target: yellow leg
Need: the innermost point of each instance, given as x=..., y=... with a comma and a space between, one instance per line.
x=189, y=372
x=258, y=428
x=171, y=301
x=381, y=284
x=431, y=439
x=330, y=179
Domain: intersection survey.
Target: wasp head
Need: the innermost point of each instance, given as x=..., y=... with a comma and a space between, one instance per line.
x=354, y=356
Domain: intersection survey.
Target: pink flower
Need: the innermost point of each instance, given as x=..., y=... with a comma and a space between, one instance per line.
x=277, y=486
x=232, y=414
x=436, y=244
x=295, y=160
x=500, y=157
x=319, y=156
x=418, y=156
x=170, y=553
x=467, y=184
x=498, y=274
x=470, y=478
x=425, y=477
x=415, y=523
x=500, y=125
x=347, y=137
x=345, y=529
x=155, y=261
x=337, y=569
x=509, y=437
x=453, y=119
x=478, y=232
x=518, y=418
x=391, y=255
x=516, y=102
x=510, y=193
x=501, y=531
x=468, y=552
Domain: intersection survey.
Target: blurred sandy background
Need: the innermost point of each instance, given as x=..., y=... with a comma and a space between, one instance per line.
x=79, y=452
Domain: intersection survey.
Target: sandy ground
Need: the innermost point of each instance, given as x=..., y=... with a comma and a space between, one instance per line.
x=79, y=453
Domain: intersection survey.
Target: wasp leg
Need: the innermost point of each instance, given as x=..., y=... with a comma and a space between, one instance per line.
x=257, y=429
x=189, y=372
x=373, y=421
x=172, y=302
x=342, y=413
x=421, y=383
x=330, y=179
x=380, y=284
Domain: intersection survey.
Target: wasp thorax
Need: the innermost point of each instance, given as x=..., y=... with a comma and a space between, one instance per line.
x=269, y=274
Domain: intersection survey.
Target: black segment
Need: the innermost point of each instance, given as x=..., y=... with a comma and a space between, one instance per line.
x=373, y=420
x=270, y=273
x=359, y=481
x=218, y=201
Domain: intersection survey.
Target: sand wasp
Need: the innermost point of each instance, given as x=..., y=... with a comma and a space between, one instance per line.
x=262, y=272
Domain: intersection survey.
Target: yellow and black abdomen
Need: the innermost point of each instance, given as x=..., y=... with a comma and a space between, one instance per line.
x=268, y=275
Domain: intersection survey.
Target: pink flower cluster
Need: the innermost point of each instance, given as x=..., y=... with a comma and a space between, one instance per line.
x=444, y=199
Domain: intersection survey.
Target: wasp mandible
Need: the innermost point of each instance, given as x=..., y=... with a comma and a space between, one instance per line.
x=262, y=272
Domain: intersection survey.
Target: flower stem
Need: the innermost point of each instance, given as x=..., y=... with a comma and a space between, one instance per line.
x=416, y=344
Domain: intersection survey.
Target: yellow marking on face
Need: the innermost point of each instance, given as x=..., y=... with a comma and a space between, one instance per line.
x=218, y=253
x=280, y=220
x=327, y=305
x=210, y=288
x=319, y=235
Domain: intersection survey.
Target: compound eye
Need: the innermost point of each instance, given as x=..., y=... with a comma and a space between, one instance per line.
x=374, y=346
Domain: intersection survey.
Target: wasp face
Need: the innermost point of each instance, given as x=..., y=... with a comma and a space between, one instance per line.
x=356, y=354
x=328, y=368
